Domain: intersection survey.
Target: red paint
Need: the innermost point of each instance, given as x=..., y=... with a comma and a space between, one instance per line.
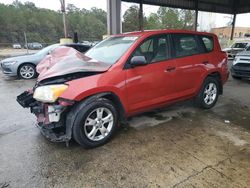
x=146, y=87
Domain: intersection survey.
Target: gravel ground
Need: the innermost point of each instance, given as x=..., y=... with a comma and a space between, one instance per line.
x=178, y=146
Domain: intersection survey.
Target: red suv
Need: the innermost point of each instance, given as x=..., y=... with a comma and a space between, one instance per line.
x=86, y=97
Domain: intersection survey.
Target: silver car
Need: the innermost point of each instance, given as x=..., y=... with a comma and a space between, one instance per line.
x=25, y=66
x=236, y=48
x=241, y=65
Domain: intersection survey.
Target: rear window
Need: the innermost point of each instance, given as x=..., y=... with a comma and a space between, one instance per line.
x=239, y=45
x=208, y=43
x=185, y=45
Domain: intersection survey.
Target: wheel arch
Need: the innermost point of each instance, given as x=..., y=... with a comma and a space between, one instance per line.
x=112, y=97
x=24, y=63
x=85, y=101
x=217, y=75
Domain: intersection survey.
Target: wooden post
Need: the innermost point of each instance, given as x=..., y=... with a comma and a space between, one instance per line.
x=64, y=18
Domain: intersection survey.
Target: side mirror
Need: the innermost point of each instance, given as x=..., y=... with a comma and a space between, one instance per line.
x=138, y=61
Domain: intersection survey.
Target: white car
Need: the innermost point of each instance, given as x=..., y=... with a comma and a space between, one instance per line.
x=241, y=65
x=236, y=48
x=17, y=46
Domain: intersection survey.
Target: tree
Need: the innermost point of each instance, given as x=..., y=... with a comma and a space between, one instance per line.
x=169, y=18
x=45, y=26
x=187, y=18
x=131, y=19
x=153, y=22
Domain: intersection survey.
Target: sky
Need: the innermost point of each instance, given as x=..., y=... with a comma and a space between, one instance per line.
x=218, y=20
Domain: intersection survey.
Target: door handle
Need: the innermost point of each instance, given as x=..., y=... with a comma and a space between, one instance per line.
x=205, y=62
x=170, y=69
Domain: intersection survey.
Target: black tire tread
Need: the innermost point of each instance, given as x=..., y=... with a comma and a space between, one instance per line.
x=81, y=109
x=199, y=98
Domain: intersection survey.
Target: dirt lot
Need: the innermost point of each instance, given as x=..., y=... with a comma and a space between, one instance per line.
x=179, y=146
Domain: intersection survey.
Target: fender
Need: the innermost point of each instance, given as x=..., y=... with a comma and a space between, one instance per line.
x=213, y=73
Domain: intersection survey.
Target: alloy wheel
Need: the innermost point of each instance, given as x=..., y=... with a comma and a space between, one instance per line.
x=98, y=124
x=27, y=72
x=210, y=93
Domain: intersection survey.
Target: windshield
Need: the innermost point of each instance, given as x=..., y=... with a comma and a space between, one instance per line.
x=248, y=49
x=111, y=49
x=46, y=50
x=239, y=45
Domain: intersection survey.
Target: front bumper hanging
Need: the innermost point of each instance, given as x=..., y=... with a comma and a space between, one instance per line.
x=51, y=118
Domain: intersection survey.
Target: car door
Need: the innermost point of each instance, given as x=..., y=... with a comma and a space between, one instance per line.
x=151, y=84
x=191, y=62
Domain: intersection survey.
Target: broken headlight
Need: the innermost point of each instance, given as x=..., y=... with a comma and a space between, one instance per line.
x=49, y=93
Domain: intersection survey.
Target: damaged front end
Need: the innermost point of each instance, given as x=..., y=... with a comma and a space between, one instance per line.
x=51, y=117
x=53, y=113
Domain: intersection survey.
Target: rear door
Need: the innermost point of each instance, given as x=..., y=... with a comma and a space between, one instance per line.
x=151, y=84
x=191, y=62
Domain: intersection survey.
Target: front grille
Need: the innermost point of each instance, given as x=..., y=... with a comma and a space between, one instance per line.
x=5, y=69
x=241, y=69
x=242, y=65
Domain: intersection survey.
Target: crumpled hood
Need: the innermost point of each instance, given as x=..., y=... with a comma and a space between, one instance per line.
x=66, y=60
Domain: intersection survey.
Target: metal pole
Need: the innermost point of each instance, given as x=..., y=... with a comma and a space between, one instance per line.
x=141, y=16
x=26, y=43
x=233, y=26
x=114, y=17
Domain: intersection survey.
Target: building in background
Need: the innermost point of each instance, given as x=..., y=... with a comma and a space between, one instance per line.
x=225, y=32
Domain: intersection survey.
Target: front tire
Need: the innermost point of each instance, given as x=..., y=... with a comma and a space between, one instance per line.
x=208, y=93
x=95, y=123
x=27, y=71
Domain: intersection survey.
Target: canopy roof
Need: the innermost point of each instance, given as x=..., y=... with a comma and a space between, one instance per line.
x=218, y=6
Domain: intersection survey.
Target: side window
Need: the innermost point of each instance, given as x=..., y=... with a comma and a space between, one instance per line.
x=185, y=45
x=83, y=49
x=153, y=49
x=147, y=46
x=208, y=42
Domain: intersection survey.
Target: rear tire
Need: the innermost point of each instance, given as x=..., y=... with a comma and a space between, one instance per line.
x=95, y=123
x=208, y=93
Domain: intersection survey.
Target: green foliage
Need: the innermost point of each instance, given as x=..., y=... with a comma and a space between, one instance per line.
x=131, y=19
x=45, y=26
x=165, y=18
